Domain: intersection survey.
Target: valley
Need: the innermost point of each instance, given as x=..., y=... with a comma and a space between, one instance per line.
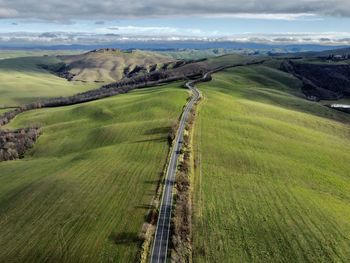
x=268, y=174
x=83, y=192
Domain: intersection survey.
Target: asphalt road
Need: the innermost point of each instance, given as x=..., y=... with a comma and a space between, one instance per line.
x=160, y=245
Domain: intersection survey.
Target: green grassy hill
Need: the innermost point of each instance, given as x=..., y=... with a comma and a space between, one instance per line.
x=5, y=54
x=189, y=54
x=22, y=81
x=81, y=194
x=273, y=175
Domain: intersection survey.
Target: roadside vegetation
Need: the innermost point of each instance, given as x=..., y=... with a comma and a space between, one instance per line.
x=181, y=227
x=83, y=192
x=272, y=183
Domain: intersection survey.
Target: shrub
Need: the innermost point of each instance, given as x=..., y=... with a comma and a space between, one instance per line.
x=14, y=144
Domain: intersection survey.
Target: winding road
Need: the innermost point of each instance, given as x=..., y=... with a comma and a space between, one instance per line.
x=160, y=245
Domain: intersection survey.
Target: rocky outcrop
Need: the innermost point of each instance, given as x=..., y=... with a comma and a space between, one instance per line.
x=135, y=71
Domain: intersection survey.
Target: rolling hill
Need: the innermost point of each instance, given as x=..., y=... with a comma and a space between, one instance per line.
x=272, y=174
x=271, y=180
x=110, y=65
x=82, y=193
x=24, y=81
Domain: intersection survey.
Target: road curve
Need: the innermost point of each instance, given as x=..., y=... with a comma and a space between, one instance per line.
x=161, y=239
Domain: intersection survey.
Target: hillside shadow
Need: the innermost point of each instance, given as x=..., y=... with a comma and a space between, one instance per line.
x=273, y=90
x=25, y=64
x=160, y=130
x=159, y=139
x=290, y=101
x=151, y=181
x=146, y=207
x=124, y=238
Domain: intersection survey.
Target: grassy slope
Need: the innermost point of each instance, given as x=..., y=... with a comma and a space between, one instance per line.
x=193, y=54
x=22, y=81
x=273, y=184
x=82, y=193
x=4, y=54
x=4, y=110
x=228, y=60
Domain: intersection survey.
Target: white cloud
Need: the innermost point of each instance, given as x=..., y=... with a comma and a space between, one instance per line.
x=143, y=30
x=154, y=30
x=327, y=38
x=277, y=16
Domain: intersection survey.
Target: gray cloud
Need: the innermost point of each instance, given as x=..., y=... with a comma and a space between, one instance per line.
x=7, y=12
x=48, y=35
x=49, y=38
x=114, y=9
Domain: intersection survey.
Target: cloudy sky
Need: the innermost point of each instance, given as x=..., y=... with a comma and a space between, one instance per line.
x=325, y=21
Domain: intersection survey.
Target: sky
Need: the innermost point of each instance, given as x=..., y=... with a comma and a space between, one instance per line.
x=297, y=21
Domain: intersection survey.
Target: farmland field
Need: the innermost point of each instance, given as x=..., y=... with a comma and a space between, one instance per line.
x=272, y=181
x=22, y=81
x=5, y=54
x=81, y=194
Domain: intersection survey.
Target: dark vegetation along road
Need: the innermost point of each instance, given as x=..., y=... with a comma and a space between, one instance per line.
x=180, y=71
x=160, y=246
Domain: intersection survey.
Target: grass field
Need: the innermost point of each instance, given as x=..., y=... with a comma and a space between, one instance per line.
x=4, y=54
x=81, y=194
x=193, y=54
x=273, y=181
x=22, y=81
x=5, y=110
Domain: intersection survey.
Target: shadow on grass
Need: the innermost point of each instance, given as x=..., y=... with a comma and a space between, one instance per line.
x=146, y=207
x=160, y=139
x=124, y=238
x=160, y=130
x=151, y=181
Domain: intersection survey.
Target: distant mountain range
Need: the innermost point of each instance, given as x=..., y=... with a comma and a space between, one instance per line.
x=85, y=41
x=173, y=45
